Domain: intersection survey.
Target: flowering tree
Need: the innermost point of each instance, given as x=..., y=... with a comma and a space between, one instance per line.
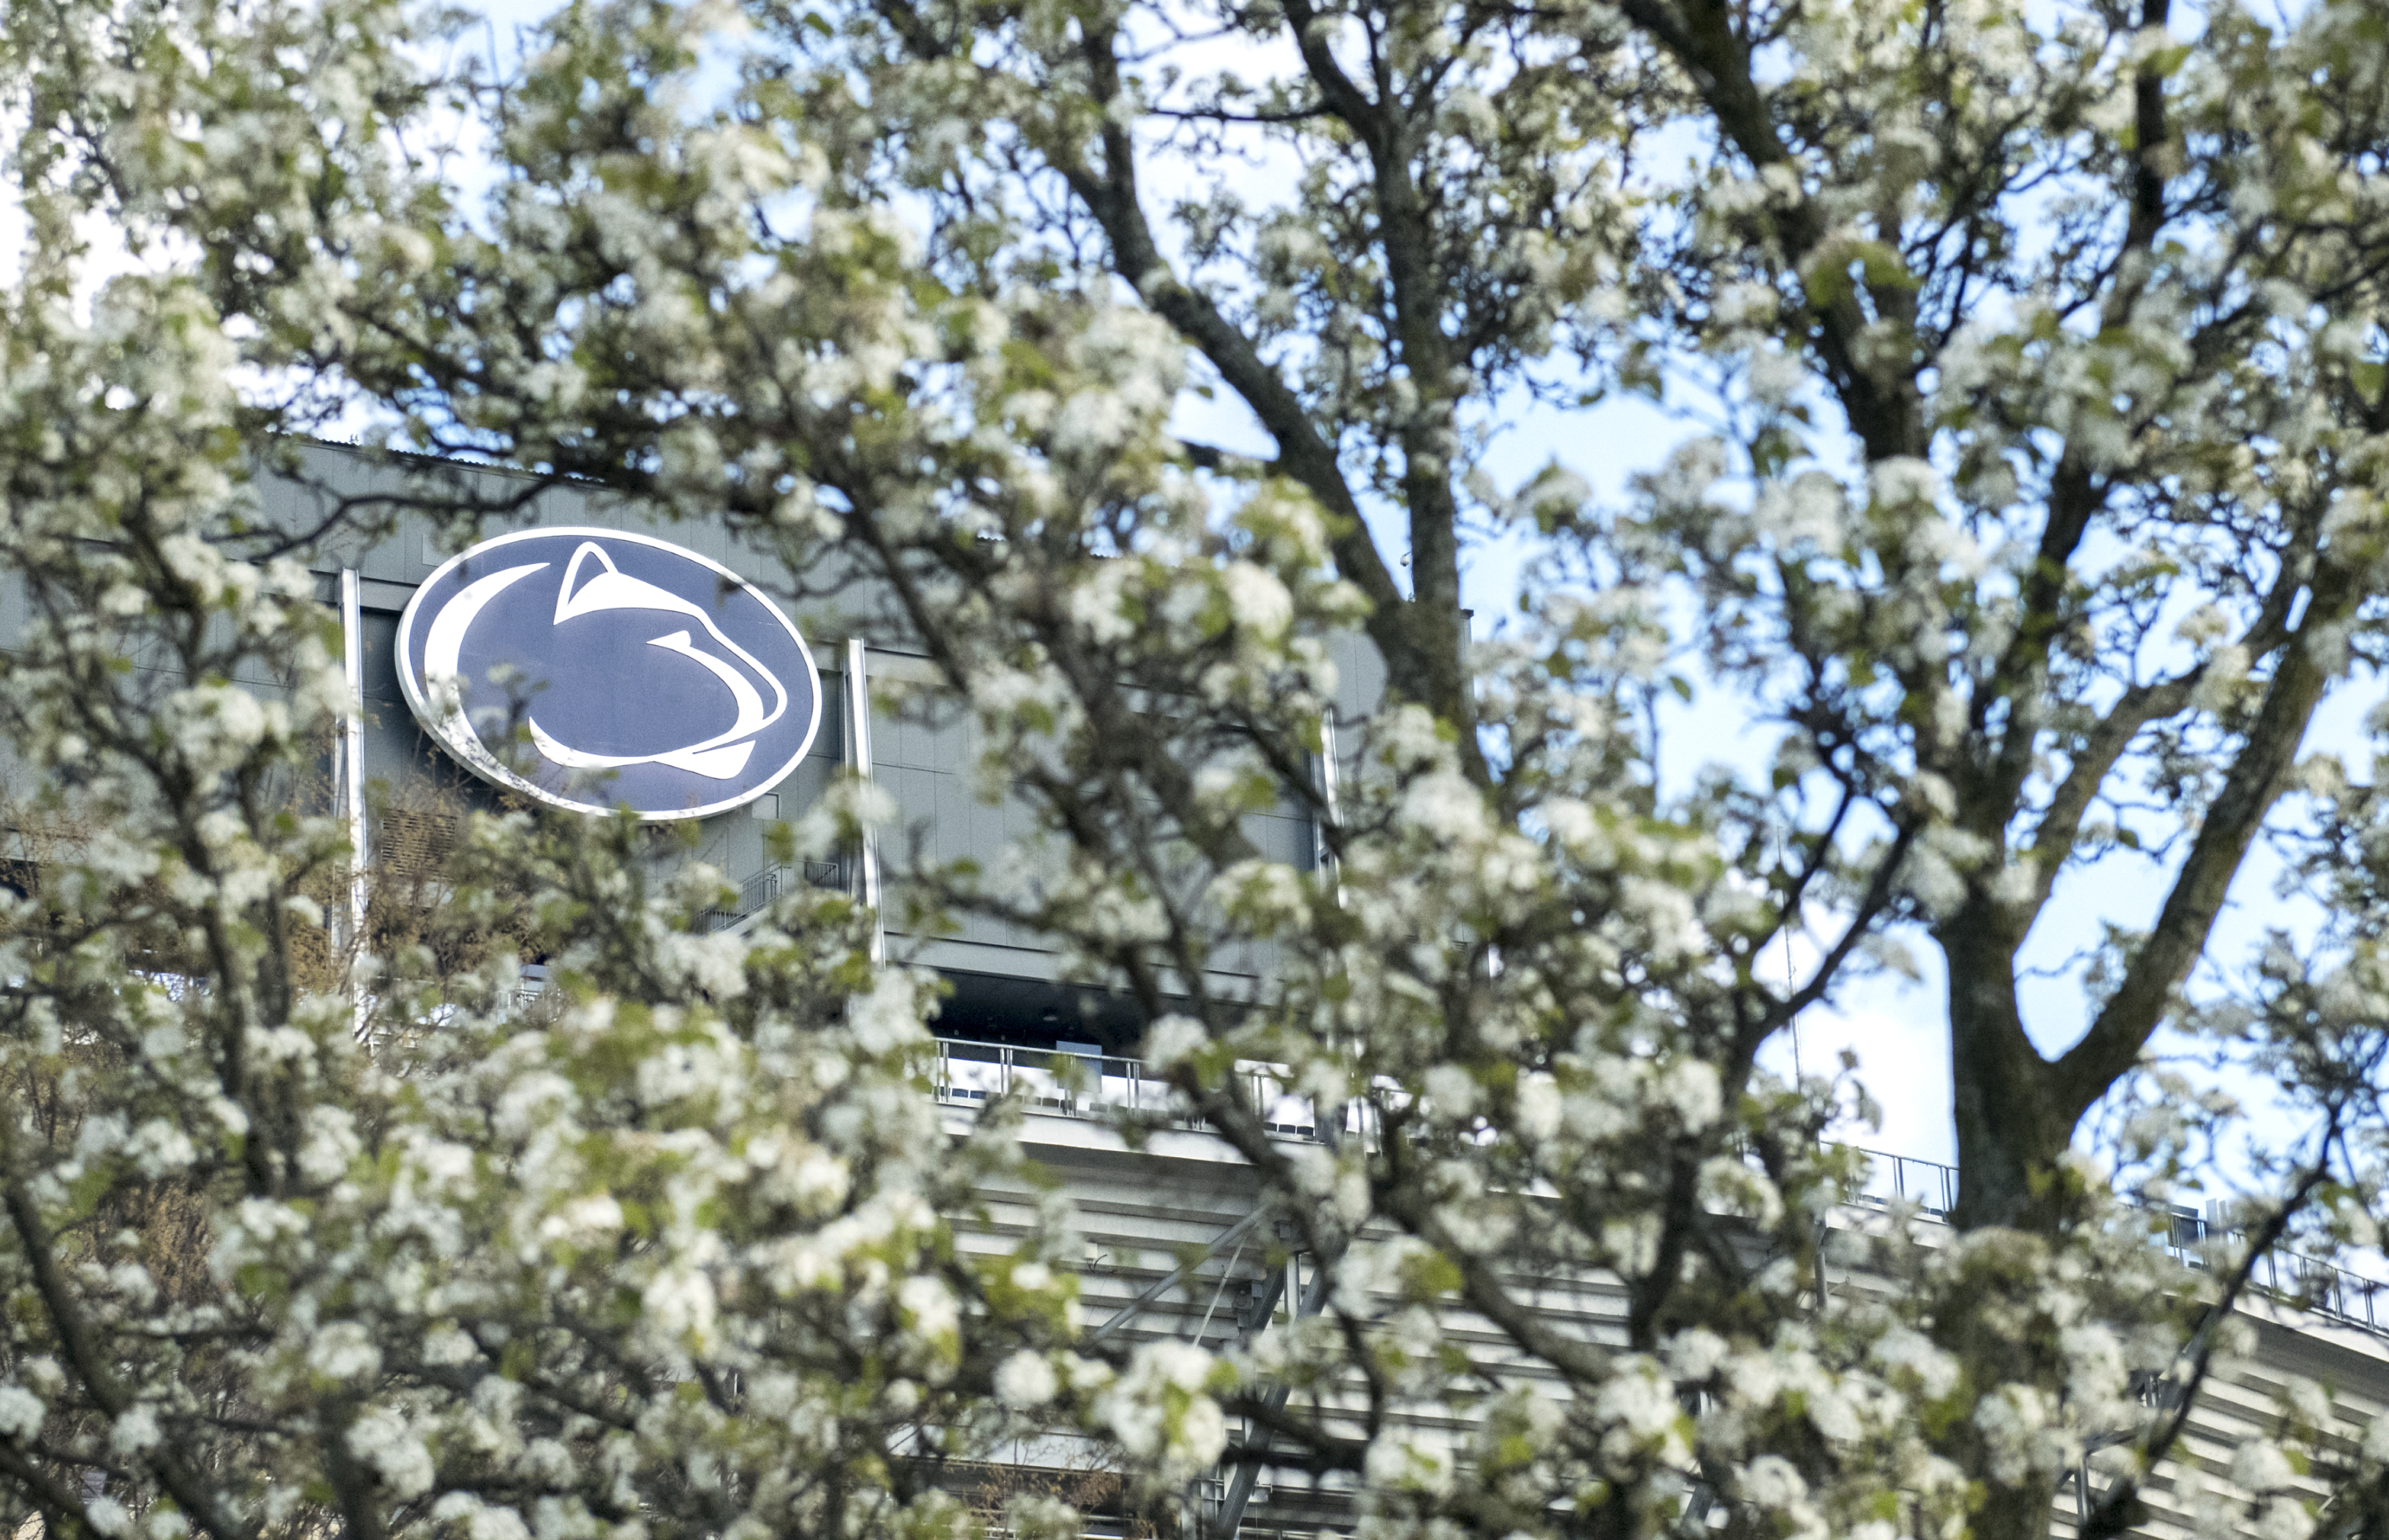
x=667, y=1250
x=2045, y=351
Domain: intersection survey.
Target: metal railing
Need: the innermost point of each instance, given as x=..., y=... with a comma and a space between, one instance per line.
x=2325, y=1288
x=760, y=891
x=1930, y=1185
x=1078, y=1080
x=2307, y=1283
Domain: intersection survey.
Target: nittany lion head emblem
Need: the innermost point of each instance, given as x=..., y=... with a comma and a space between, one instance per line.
x=594, y=669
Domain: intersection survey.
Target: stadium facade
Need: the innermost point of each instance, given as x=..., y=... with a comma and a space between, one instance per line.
x=728, y=720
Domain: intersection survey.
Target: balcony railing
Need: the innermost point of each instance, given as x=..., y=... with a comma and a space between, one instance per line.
x=2324, y=1288
x=1079, y=1080
x=972, y=1074
x=1931, y=1186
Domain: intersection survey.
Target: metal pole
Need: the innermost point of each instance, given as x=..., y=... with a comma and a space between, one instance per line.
x=1128, y=1312
x=1219, y=1294
x=1335, y=812
x=351, y=789
x=1248, y=1473
x=858, y=704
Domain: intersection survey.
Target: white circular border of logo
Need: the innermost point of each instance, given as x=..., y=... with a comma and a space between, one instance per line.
x=475, y=756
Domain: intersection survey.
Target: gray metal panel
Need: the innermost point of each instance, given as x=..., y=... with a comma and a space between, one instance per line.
x=1360, y=676
x=925, y=756
x=828, y=603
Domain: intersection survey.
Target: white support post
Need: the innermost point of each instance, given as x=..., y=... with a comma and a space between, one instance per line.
x=858, y=740
x=351, y=788
x=1334, y=814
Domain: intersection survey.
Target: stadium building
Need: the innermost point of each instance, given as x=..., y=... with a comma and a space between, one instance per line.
x=632, y=616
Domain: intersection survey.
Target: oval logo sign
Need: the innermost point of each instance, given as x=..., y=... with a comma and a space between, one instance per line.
x=594, y=669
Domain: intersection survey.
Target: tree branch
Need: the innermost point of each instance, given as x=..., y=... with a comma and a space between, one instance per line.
x=2061, y=821
x=2257, y=780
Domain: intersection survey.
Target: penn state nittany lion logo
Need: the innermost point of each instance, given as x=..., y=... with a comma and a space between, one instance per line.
x=594, y=669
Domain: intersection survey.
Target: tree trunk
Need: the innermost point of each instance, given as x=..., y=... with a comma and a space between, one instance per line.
x=2020, y=1513
x=2013, y=1134
x=2013, y=1131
